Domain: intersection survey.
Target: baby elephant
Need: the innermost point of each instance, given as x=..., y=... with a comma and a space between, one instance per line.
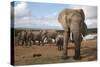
x=59, y=42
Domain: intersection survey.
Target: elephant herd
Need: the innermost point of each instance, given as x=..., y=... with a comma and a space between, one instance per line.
x=40, y=37
x=30, y=37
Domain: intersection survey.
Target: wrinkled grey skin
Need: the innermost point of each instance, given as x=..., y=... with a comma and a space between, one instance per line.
x=72, y=21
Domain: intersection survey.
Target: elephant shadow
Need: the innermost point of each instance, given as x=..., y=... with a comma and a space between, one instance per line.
x=89, y=53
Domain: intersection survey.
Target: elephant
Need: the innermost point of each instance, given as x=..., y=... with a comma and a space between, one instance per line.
x=21, y=38
x=51, y=35
x=29, y=36
x=38, y=36
x=72, y=21
x=17, y=38
x=59, y=42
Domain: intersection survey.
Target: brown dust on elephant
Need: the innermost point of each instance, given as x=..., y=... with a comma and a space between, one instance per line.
x=72, y=21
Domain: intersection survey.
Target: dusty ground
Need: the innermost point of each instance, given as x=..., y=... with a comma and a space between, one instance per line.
x=50, y=54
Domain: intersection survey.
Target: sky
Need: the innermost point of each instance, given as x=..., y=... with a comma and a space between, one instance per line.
x=44, y=15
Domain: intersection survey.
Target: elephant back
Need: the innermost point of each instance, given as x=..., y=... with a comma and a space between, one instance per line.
x=37, y=35
x=51, y=34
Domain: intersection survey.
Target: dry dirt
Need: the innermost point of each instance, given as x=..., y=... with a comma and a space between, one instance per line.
x=50, y=54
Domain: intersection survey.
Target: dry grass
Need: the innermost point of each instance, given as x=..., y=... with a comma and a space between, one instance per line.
x=50, y=54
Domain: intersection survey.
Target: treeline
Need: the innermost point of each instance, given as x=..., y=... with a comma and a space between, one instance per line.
x=92, y=30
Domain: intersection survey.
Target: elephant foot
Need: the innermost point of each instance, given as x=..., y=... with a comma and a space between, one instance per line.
x=77, y=58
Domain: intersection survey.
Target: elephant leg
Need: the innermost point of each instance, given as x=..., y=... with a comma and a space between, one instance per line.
x=59, y=47
x=42, y=42
x=61, y=44
x=58, y=44
x=65, y=45
x=21, y=42
x=39, y=42
x=34, y=42
x=77, y=51
x=30, y=42
x=77, y=42
x=26, y=42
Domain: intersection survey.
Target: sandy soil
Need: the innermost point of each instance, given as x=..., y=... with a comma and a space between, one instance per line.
x=50, y=54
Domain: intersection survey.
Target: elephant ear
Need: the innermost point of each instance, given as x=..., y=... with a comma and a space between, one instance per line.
x=82, y=13
x=62, y=18
x=84, y=29
x=83, y=24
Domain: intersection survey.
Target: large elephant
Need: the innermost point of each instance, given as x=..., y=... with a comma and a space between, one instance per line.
x=72, y=21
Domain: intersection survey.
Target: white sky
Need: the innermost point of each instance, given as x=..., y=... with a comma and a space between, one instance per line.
x=24, y=18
